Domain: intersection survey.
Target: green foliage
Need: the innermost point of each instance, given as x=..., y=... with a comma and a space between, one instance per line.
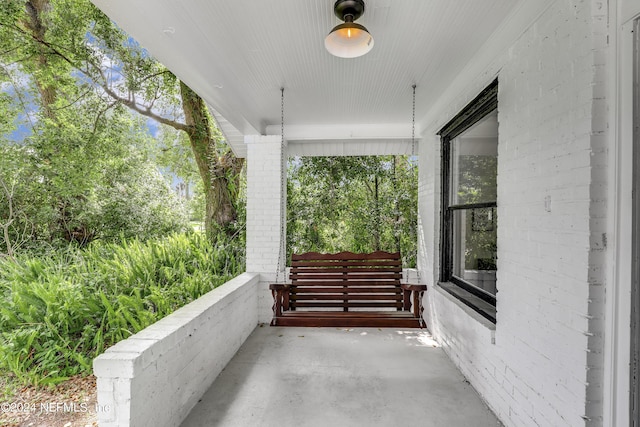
x=73, y=185
x=360, y=204
x=477, y=184
x=8, y=108
x=76, y=72
x=58, y=312
x=84, y=168
x=477, y=179
x=176, y=155
x=136, y=201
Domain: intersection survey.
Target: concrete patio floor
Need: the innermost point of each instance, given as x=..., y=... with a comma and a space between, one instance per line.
x=340, y=377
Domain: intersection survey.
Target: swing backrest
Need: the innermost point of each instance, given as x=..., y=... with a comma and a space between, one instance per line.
x=346, y=281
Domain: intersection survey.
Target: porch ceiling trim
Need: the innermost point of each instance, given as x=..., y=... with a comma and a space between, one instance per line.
x=233, y=136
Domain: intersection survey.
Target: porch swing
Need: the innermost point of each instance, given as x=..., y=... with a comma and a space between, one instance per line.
x=345, y=289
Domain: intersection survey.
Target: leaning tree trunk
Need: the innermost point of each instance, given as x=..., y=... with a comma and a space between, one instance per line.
x=220, y=173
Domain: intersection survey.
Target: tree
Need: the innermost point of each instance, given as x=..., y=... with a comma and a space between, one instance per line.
x=373, y=205
x=103, y=188
x=136, y=201
x=56, y=41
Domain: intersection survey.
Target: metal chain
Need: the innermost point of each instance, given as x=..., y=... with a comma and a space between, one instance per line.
x=413, y=123
x=283, y=206
x=413, y=151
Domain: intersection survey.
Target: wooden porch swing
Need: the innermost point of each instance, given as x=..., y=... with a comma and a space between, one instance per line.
x=346, y=289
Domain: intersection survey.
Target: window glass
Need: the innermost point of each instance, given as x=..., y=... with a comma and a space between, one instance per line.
x=474, y=169
x=469, y=197
x=474, y=247
x=474, y=163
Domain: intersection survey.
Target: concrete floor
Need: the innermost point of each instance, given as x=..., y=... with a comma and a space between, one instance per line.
x=338, y=378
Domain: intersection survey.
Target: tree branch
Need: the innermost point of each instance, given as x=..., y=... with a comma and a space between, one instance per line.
x=145, y=111
x=73, y=102
x=19, y=95
x=368, y=185
x=100, y=114
x=9, y=50
x=150, y=76
x=10, y=218
x=128, y=102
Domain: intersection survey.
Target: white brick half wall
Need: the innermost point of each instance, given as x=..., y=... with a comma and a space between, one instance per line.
x=541, y=363
x=157, y=376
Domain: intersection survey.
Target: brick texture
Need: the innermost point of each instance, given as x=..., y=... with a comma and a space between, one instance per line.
x=541, y=365
x=156, y=377
x=265, y=193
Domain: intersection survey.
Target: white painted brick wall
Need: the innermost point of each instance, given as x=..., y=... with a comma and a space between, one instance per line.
x=265, y=298
x=264, y=195
x=157, y=376
x=545, y=367
x=265, y=190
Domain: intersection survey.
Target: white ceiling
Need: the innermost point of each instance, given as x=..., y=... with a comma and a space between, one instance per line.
x=237, y=54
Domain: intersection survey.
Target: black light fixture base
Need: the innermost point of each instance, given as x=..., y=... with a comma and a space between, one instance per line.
x=348, y=10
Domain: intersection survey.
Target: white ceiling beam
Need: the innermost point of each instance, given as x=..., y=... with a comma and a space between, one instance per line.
x=344, y=132
x=377, y=147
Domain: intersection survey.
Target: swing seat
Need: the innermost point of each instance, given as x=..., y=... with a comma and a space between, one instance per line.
x=347, y=290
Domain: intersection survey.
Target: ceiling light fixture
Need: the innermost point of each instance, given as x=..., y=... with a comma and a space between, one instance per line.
x=349, y=40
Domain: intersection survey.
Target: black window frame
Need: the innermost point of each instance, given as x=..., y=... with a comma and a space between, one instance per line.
x=482, y=302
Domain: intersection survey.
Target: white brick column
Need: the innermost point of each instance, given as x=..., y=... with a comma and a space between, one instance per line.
x=265, y=194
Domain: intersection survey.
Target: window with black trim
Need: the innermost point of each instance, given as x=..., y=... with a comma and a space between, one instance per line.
x=469, y=200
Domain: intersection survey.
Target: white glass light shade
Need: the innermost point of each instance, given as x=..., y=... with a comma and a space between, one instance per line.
x=349, y=40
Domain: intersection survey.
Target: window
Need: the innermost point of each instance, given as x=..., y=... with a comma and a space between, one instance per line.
x=469, y=200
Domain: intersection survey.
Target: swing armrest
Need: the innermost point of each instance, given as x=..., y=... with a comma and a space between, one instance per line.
x=280, y=294
x=413, y=287
x=417, y=291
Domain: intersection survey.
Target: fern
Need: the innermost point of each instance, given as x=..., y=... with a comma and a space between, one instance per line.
x=59, y=312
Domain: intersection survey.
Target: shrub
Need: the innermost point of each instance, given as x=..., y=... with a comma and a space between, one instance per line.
x=60, y=311
x=136, y=201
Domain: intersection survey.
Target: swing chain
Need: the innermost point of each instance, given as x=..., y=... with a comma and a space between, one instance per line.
x=413, y=123
x=413, y=153
x=283, y=206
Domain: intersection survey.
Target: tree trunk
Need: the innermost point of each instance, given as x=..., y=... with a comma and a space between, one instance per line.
x=35, y=9
x=35, y=23
x=220, y=173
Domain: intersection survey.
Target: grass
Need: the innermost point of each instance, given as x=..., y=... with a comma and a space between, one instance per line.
x=57, y=313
